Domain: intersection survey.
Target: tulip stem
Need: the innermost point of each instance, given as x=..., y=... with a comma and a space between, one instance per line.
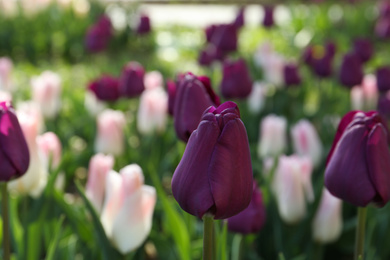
x=208, y=237
x=5, y=216
x=360, y=230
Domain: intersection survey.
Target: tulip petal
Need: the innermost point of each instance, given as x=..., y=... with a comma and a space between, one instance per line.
x=191, y=191
x=378, y=160
x=230, y=171
x=348, y=165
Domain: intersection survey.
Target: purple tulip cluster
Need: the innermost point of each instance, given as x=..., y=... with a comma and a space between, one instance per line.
x=98, y=35
x=129, y=84
x=320, y=59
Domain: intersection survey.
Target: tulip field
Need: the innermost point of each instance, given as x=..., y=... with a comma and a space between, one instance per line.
x=262, y=137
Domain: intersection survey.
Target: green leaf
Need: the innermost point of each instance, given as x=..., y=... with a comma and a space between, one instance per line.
x=53, y=246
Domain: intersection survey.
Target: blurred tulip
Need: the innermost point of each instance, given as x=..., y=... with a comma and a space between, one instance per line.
x=152, y=111
x=224, y=37
x=98, y=169
x=14, y=153
x=6, y=67
x=92, y=104
x=34, y=180
x=215, y=173
x=365, y=96
x=291, y=185
x=51, y=148
x=171, y=88
x=251, y=219
x=383, y=78
x=359, y=160
x=131, y=82
x=382, y=27
x=99, y=35
x=105, y=88
x=47, y=93
x=193, y=95
x=236, y=80
x=33, y=110
x=153, y=79
x=210, y=54
x=291, y=75
x=128, y=208
x=351, y=71
x=306, y=141
x=363, y=49
x=143, y=26
x=384, y=105
x=240, y=18
x=257, y=97
x=320, y=58
x=328, y=221
x=268, y=20
x=384, y=8
x=5, y=96
x=110, y=138
x=272, y=64
x=272, y=136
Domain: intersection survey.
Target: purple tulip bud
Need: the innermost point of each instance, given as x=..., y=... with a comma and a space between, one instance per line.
x=98, y=35
x=358, y=168
x=384, y=8
x=383, y=78
x=251, y=219
x=363, y=49
x=351, y=71
x=236, y=81
x=131, y=82
x=291, y=75
x=330, y=49
x=382, y=27
x=215, y=173
x=209, y=32
x=268, y=20
x=384, y=106
x=320, y=59
x=143, y=25
x=171, y=89
x=240, y=19
x=224, y=37
x=14, y=154
x=105, y=88
x=193, y=96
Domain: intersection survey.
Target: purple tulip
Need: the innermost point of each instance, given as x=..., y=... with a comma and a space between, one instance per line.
x=209, y=32
x=382, y=27
x=215, y=173
x=384, y=8
x=236, y=81
x=171, y=89
x=224, y=37
x=384, y=106
x=143, y=25
x=240, y=19
x=105, y=88
x=359, y=165
x=193, y=96
x=363, y=49
x=98, y=35
x=131, y=82
x=291, y=75
x=351, y=71
x=14, y=154
x=268, y=20
x=383, y=78
x=251, y=219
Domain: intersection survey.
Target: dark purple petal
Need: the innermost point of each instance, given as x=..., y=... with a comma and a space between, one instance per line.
x=239, y=21
x=351, y=71
x=171, y=88
x=131, y=81
x=105, y=88
x=268, y=20
x=224, y=37
x=383, y=78
x=144, y=26
x=291, y=75
x=363, y=49
x=236, y=81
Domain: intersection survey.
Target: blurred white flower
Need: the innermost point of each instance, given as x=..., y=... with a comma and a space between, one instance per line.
x=153, y=79
x=271, y=63
x=5, y=96
x=365, y=96
x=272, y=136
x=256, y=98
x=93, y=105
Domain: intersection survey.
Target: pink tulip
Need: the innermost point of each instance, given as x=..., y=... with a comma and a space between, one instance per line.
x=99, y=166
x=328, y=221
x=6, y=67
x=110, y=137
x=272, y=136
x=152, y=112
x=51, y=148
x=32, y=109
x=153, y=79
x=47, y=93
x=34, y=180
x=292, y=187
x=365, y=96
x=128, y=208
x=306, y=141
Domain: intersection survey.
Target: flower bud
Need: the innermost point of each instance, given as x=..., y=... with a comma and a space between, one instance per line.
x=251, y=219
x=131, y=82
x=351, y=72
x=47, y=93
x=363, y=49
x=153, y=79
x=215, y=173
x=143, y=26
x=359, y=160
x=110, y=137
x=328, y=221
x=306, y=141
x=98, y=35
x=193, y=96
x=273, y=140
x=105, y=88
x=365, y=96
x=291, y=75
x=14, y=154
x=224, y=37
x=257, y=97
x=236, y=81
x=240, y=18
x=383, y=78
x=171, y=88
x=268, y=20
x=50, y=146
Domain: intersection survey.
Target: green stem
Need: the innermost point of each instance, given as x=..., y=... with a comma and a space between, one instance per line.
x=236, y=247
x=208, y=243
x=5, y=216
x=360, y=230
